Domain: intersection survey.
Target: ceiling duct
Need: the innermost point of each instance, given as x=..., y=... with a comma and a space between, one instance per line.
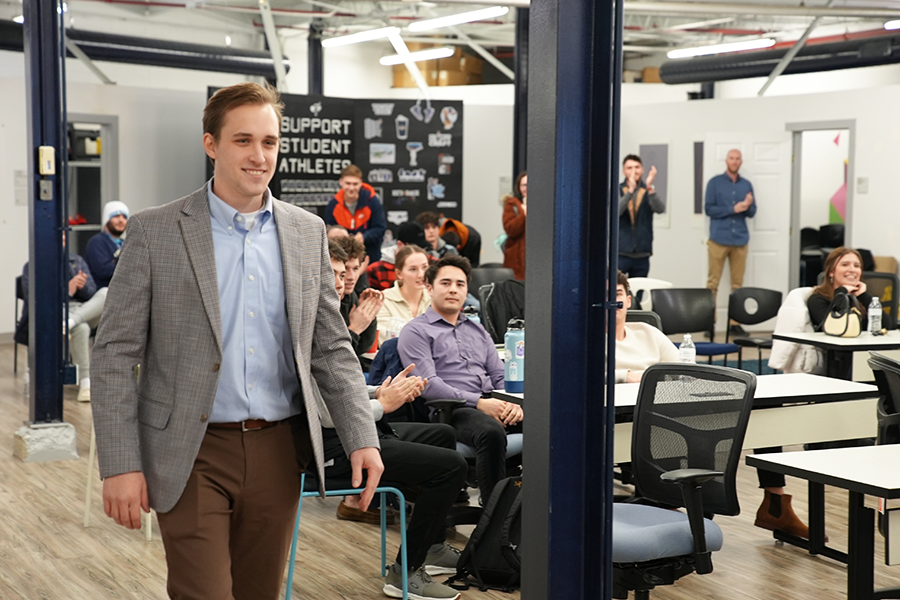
x=155, y=52
x=812, y=58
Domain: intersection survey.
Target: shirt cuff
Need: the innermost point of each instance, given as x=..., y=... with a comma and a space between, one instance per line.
x=377, y=409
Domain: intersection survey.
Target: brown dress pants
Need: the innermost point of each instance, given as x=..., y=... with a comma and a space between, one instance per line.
x=229, y=535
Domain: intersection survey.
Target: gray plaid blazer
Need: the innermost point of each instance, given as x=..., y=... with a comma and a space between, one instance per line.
x=162, y=312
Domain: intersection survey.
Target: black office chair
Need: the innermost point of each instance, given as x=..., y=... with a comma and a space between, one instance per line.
x=485, y=275
x=17, y=339
x=691, y=310
x=752, y=306
x=887, y=378
x=831, y=236
x=500, y=302
x=644, y=316
x=689, y=426
x=887, y=287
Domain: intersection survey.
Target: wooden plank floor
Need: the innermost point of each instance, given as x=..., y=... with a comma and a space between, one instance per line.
x=46, y=553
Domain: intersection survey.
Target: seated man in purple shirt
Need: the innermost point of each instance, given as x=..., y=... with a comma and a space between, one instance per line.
x=459, y=360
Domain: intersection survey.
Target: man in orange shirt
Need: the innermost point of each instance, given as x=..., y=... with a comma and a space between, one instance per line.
x=357, y=209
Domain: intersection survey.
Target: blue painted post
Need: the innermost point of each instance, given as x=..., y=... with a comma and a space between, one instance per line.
x=44, y=76
x=573, y=98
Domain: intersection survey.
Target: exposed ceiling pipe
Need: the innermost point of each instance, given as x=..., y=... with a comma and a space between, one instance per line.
x=265, y=11
x=849, y=54
x=223, y=7
x=728, y=8
x=155, y=52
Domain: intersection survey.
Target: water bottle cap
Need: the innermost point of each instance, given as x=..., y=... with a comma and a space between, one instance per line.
x=469, y=310
x=516, y=323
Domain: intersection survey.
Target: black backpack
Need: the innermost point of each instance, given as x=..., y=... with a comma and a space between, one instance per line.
x=492, y=556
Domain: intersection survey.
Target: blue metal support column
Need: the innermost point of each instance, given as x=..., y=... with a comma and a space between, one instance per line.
x=314, y=58
x=44, y=76
x=520, y=109
x=573, y=101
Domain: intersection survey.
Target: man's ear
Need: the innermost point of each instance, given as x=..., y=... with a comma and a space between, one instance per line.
x=209, y=145
x=627, y=301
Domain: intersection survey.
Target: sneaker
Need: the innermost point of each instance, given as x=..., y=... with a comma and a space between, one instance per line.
x=84, y=394
x=442, y=562
x=421, y=586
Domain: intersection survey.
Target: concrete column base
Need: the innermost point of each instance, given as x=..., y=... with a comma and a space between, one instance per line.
x=43, y=442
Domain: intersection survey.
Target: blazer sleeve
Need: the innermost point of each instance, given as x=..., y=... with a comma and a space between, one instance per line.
x=119, y=347
x=335, y=368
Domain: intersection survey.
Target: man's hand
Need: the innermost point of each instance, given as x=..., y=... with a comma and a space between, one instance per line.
x=77, y=282
x=359, y=236
x=633, y=376
x=512, y=414
x=370, y=460
x=124, y=496
x=403, y=389
x=498, y=409
x=744, y=204
x=362, y=315
x=631, y=181
x=651, y=176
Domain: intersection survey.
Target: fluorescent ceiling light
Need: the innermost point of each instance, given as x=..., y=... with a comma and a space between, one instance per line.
x=362, y=36
x=720, y=48
x=466, y=17
x=431, y=53
x=892, y=25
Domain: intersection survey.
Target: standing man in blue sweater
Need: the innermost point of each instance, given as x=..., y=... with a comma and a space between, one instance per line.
x=103, y=249
x=729, y=203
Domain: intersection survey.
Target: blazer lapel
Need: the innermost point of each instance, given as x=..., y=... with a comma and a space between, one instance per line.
x=196, y=229
x=289, y=239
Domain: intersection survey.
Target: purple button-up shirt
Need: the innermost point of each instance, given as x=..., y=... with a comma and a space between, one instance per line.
x=459, y=362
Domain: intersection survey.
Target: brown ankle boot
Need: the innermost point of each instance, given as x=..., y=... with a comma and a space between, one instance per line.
x=775, y=514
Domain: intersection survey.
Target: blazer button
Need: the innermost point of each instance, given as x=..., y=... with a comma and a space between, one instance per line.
x=215, y=367
x=204, y=417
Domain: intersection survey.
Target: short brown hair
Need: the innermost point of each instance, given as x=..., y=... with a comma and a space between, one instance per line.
x=351, y=171
x=451, y=260
x=233, y=96
x=336, y=252
x=622, y=279
x=429, y=218
x=404, y=253
x=352, y=246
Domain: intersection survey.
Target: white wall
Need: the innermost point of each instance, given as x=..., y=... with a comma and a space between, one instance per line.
x=679, y=248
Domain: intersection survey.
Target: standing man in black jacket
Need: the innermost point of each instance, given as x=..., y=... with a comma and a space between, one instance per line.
x=638, y=201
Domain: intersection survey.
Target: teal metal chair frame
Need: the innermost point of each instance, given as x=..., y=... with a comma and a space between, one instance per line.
x=381, y=491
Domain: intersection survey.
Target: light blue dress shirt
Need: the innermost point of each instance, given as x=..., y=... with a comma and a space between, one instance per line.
x=258, y=378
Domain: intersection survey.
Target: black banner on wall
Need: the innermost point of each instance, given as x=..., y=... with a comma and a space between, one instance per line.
x=409, y=151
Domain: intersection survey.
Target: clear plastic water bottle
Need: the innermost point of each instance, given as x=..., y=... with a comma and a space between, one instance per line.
x=471, y=313
x=514, y=345
x=687, y=352
x=874, y=315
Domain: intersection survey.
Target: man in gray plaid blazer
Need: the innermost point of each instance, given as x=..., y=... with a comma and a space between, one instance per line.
x=225, y=299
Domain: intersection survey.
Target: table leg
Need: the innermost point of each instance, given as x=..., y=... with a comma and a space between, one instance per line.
x=816, y=502
x=861, y=548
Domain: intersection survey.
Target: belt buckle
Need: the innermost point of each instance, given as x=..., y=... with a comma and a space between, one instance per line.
x=244, y=427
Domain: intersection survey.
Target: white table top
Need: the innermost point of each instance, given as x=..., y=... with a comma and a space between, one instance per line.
x=865, y=340
x=771, y=390
x=869, y=470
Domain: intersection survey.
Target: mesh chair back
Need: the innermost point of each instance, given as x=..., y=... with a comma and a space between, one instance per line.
x=644, y=316
x=887, y=378
x=886, y=286
x=485, y=275
x=766, y=302
x=691, y=416
x=684, y=310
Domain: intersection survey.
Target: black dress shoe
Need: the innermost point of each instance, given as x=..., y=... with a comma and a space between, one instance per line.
x=736, y=330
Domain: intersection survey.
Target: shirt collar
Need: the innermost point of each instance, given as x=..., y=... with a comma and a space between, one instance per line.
x=226, y=216
x=433, y=317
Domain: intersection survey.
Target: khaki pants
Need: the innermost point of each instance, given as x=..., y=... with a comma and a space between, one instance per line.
x=737, y=260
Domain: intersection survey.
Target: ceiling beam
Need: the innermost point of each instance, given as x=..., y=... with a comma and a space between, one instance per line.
x=727, y=8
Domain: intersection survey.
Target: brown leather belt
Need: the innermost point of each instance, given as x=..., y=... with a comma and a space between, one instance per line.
x=248, y=425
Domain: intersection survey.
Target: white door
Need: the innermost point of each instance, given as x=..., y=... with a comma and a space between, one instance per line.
x=767, y=165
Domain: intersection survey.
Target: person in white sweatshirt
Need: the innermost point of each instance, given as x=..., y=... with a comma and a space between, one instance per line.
x=638, y=345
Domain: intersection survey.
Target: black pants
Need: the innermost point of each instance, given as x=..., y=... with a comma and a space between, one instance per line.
x=488, y=437
x=422, y=455
x=769, y=479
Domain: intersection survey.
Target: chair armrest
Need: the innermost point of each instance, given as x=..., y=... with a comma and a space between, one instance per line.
x=691, y=481
x=443, y=407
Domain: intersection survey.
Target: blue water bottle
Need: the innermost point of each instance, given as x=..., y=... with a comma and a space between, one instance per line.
x=514, y=343
x=471, y=313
